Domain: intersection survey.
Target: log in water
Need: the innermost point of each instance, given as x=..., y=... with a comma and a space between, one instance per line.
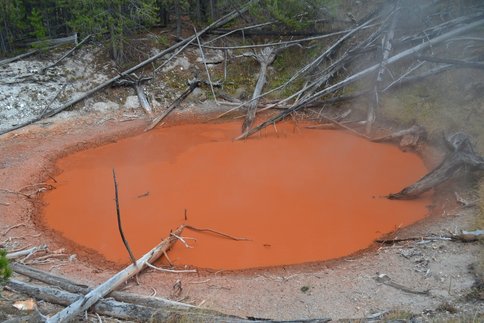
x=299, y=195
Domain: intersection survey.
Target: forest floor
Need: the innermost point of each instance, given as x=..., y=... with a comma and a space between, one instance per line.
x=339, y=289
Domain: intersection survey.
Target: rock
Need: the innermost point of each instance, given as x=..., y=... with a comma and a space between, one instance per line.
x=211, y=57
x=132, y=102
x=181, y=62
x=198, y=95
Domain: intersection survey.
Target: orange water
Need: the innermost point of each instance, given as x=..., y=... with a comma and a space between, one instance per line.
x=299, y=195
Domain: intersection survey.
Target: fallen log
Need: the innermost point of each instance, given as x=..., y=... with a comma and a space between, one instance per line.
x=19, y=57
x=111, y=284
x=123, y=305
x=67, y=54
x=121, y=310
x=460, y=63
x=26, y=253
x=107, y=307
x=355, y=77
x=220, y=22
x=461, y=158
x=407, y=137
x=76, y=288
x=192, y=85
x=54, y=41
x=136, y=82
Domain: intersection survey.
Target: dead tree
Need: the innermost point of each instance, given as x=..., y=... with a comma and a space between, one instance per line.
x=461, y=158
x=386, y=49
x=358, y=76
x=264, y=57
x=136, y=82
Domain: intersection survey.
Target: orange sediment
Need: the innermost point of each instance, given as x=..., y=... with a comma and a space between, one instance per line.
x=299, y=195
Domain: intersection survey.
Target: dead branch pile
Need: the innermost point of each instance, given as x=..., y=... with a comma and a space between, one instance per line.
x=367, y=56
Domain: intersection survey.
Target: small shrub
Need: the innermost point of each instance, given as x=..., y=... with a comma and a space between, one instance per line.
x=5, y=271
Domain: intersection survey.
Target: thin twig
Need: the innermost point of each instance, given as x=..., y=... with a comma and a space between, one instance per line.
x=171, y=270
x=126, y=244
x=182, y=240
x=13, y=227
x=14, y=192
x=217, y=233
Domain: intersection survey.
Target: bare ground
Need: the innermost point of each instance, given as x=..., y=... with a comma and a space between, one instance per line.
x=339, y=289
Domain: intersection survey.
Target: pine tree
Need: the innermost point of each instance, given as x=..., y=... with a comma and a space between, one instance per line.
x=116, y=18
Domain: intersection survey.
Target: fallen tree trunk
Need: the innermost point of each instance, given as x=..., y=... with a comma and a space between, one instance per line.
x=76, y=288
x=67, y=54
x=107, y=307
x=54, y=41
x=136, y=82
x=407, y=137
x=16, y=58
x=462, y=158
x=355, y=77
x=461, y=63
x=141, y=307
x=220, y=22
x=192, y=85
x=121, y=310
x=111, y=284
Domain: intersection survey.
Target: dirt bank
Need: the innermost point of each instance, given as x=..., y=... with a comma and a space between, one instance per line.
x=339, y=289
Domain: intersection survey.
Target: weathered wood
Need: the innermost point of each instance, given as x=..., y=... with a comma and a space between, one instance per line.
x=111, y=284
x=134, y=312
x=121, y=310
x=387, y=47
x=462, y=158
x=265, y=58
x=143, y=100
x=55, y=41
x=218, y=23
x=192, y=85
x=67, y=54
x=408, y=137
x=107, y=307
x=27, y=252
x=458, y=62
x=136, y=82
x=355, y=77
x=19, y=57
x=76, y=288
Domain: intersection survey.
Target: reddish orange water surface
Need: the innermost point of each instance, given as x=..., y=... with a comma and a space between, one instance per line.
x=299, y=195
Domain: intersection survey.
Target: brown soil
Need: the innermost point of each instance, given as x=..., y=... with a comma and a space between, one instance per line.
x=338, y=289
